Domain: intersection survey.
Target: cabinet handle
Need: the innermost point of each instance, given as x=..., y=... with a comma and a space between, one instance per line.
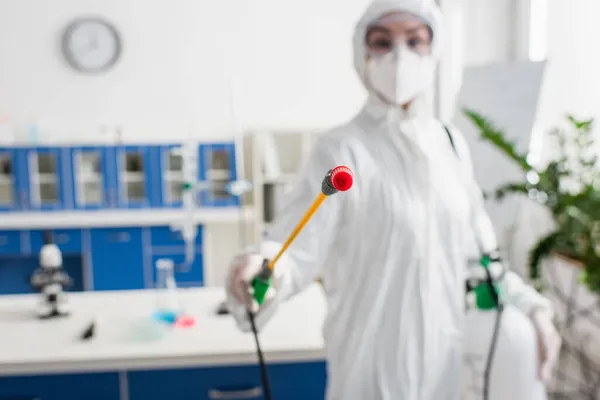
x=63, y=238
x=120, y=237
x=252, y=393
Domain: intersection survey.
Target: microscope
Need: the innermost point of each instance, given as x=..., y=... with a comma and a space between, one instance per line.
x=51, y=280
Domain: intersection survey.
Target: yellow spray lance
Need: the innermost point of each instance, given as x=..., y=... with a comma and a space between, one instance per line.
x=339, y=179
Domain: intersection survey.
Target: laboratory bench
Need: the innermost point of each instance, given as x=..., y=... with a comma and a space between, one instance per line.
x=46, y=360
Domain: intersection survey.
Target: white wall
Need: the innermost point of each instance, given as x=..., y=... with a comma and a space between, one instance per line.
x=293, y=65
x=574, y=60
x=488, y=31
x=291, y=62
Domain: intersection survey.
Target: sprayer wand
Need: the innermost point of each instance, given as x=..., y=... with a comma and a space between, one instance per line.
x=339, y=179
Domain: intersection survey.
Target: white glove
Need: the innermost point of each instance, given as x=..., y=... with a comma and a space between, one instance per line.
x=243, y=270
x=549, y=342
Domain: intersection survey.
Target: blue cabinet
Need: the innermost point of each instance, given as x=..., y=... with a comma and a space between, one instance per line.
x=100, y=177
x=299, y=381
x=169, y=175
x=69, y=241
x=19, y=258
x=216, y=163
x=135, y=186
x=10, y=242
x=46, y=169
x=10, y=182
x=92, y=183
x=117, y=258
x=16, y=271
x=101, y=386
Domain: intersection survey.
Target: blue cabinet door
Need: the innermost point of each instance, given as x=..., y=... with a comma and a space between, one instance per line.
x=117, y=258
x=101, y=386
x=10, y=242
x=286, y=385
x=69, y=241
x=46, y=169
x=9, y=191
x=16, y=272
x=134, y=177
x=91, y=180
x=235, y=382
x=170, y=176
x=217, y=166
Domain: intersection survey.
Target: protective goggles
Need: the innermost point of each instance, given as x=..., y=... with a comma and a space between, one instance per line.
x=391, y=31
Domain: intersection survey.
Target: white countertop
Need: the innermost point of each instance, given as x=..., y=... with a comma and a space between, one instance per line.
x=32, y=346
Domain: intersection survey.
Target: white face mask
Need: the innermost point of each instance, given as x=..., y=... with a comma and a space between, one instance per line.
x=400, y=76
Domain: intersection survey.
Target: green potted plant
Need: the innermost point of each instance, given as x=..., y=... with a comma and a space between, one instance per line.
x=568, y=187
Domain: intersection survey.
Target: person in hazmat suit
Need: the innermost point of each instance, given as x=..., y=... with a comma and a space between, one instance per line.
x=392, y=251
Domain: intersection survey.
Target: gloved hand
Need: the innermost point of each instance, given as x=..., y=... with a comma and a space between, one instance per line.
x=239, y=282
x=549, y=341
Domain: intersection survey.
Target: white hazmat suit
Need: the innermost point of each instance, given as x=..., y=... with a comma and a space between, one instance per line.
x=392, y=251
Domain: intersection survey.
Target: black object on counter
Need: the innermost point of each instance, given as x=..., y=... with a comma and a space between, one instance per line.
x=222, y=309
x=89, y=332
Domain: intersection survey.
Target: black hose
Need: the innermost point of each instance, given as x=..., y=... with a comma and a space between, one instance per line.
x=499, y=309
x=261, y=359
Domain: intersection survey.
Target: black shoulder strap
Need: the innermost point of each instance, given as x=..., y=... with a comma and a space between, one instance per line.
x=451, y=139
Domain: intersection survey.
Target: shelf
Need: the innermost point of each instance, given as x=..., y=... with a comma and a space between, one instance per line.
x=116, y=218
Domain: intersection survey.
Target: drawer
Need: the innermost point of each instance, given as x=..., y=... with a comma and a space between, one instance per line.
x=104, y=386
x=163, y=236
x=10, y=242
x=205, y=383
x=298, y=381
x=67, y=240
x=117, y=258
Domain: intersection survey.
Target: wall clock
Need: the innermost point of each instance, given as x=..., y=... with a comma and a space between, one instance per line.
x=91, y=45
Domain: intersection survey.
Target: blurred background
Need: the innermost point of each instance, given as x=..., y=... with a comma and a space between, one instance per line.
x=149, y=140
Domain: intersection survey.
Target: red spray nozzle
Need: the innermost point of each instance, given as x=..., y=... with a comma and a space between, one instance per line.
x=339, y=179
